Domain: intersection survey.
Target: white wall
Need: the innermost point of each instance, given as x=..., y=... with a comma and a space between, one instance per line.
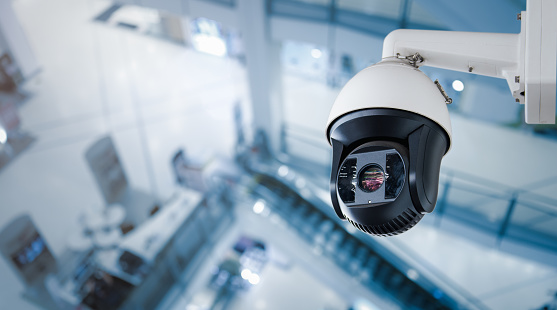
x=16, y=39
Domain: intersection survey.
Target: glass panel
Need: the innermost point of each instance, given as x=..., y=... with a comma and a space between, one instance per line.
x=419, y=15
x=308, y=65
x=547, y=226
x=374, y=24
x=524, y=216
x=492, y=209
x=226, y=2
x=305, y=60
x=536, y=218
x=372, y=7
x=308, y=149
x=317, y=2
x=311, y=9
x=476, y=206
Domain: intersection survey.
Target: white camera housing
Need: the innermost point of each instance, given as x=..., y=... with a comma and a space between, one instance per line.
x=393, y=84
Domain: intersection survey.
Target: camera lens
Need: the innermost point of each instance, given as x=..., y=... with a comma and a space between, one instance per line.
x=371, y=178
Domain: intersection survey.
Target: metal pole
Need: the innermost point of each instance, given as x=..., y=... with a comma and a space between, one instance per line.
x=506, y=221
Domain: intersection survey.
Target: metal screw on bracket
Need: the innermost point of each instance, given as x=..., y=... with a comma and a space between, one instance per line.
x=519, y=16
x=517, y=79
x=448, y=99
x=412, y=59
x=470, y=69
x=415, y=59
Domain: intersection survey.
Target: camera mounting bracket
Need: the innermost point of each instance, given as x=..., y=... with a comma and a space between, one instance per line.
x=527, y=60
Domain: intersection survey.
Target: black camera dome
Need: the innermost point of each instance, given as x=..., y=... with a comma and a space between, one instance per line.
x=385, y=170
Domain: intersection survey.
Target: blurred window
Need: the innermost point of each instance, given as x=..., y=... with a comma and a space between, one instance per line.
x=383, y=8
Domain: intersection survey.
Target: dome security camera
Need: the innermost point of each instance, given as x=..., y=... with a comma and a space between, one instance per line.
x=390, y=128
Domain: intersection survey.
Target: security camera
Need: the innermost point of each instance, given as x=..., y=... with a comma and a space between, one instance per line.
x=390, y=128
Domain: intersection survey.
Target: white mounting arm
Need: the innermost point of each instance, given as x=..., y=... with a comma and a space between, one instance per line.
x=491, y=54
x=527, y=61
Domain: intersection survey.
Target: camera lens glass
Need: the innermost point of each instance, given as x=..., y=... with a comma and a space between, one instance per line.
x=371, y=178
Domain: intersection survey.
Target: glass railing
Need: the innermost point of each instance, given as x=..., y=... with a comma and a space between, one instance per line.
x=507, y=212
x=534, y=222
x=472, y=201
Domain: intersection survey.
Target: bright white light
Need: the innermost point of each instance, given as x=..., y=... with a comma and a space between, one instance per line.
x=3, y=136
x=209, y=44
x=458, y=85
x=254, y=278
x=362, y=304
x=258, y=207
x=412, y=274
x=283, y=171
x=316, y=53
x=246, y=274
